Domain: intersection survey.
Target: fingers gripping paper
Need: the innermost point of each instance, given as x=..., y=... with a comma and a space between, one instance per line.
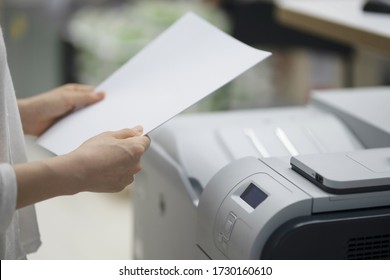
x=187, y=62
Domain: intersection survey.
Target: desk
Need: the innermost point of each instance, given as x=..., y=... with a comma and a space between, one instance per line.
x=341, y=20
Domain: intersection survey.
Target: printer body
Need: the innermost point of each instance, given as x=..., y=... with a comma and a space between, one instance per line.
x=221, y=185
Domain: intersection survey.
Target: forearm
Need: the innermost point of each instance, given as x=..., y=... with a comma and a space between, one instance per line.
x=41, y=180
x=27, y=115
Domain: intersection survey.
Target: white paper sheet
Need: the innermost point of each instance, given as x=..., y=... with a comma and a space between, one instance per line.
x=188, y=61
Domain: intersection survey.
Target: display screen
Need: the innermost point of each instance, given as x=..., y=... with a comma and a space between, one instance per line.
x=253, y=196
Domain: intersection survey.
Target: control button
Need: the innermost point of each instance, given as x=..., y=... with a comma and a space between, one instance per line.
x=228, y=226
x=232, y=217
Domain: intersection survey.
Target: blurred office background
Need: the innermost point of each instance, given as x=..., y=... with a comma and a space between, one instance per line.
x=52, y=42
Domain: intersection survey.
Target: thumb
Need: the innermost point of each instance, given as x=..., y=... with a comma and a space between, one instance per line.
x=127, y=132
x=82, y=99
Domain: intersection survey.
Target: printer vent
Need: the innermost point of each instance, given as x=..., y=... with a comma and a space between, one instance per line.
x=369, y=247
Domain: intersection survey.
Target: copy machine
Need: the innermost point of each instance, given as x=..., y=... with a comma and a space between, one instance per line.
x=234, y=185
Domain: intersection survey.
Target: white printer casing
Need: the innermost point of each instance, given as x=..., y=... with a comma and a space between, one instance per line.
x=202, y=172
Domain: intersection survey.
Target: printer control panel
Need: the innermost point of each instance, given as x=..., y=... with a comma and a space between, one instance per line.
x=249, y=196
x=238, y=211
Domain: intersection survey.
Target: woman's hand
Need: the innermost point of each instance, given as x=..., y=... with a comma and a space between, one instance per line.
x=104, y=163
x=40, y=112
x=109, y=161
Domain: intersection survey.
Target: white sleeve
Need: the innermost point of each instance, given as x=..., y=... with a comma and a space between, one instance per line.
x=8, y=191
